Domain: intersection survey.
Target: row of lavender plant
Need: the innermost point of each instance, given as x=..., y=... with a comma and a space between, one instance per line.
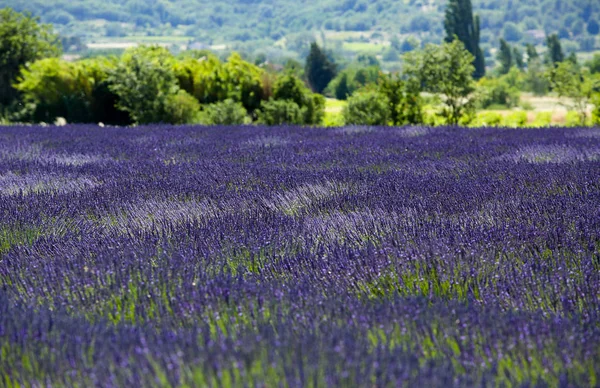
x=249, y=256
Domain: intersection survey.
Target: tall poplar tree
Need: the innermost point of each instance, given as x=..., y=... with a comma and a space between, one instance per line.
x=460, y=23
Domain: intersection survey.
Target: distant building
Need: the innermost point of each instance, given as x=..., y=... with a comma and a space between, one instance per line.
x=537, y=35
x=198, y=46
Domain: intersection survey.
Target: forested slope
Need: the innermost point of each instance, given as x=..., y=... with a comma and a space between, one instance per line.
x=263, y=22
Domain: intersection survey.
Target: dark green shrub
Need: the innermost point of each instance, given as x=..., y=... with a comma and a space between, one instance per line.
x=290, y=88
x=535, y=80
x=226, y=112
x=278, y=112
x=342, y=89
x=242, y=81
x=367, y=108
x=51, y=88
x=351, y=79
x=594, y=64
x=496, y=91
x=404, y=99
x=182, y=108
x=76, y=91
x=144, y=81
x=103, y=100
x=314, y=110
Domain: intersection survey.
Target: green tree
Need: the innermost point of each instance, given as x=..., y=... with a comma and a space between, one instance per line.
x=182, y=108
x=391, y=55
x=211, y=81
x=532, y=53
x=351, y=79
x=242, y=82
x=291, y=88
x=201, y=77
x=505, y=57
x=571, y=81
x=594, y=64
x=460, y=23
x=226, y=112
x=319, y=70
x=586, y=11
x=368, y=60
x=54, y=88
x=403, y=96
x=76, y=91
x=367, y=108
x=498, y=91
x=342, y=90
x=535, y=78
x=518, y=58
x=146, y=86
x=278, y=112
x=555, y=52
x=22, y=40
x=366, y=75
x=104, y=101
x=294, y=67
x=446, y=70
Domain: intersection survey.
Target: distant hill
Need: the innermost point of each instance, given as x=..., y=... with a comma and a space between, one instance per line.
x=281, y=28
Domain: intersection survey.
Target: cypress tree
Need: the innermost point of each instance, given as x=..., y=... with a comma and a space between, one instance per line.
x=342, y=90
x=460, y=23
x=532, y=53
x=555, y=53
x=518, y=58
x=505, y=57
x=319, y=69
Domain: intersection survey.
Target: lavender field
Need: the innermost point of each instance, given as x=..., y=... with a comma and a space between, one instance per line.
x=297, y=257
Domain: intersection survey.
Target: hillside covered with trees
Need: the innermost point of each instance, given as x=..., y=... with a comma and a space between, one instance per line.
x=150, y=84
x=281, y=28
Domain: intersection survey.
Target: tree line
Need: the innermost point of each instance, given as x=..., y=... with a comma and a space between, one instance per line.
x=254, y=25
x=455, y=73
x=148, y=84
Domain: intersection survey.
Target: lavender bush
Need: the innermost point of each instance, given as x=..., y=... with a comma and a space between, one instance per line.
x=250, y=256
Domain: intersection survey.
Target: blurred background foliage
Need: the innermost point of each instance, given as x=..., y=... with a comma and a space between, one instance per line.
x=153, y=83
x=284, y=28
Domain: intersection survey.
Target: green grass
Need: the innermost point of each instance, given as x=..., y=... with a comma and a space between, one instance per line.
x=538, y=117
x=334, y=106
x=12, y=236
x=146, y=39
x=362, y=47
x=333, y=112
